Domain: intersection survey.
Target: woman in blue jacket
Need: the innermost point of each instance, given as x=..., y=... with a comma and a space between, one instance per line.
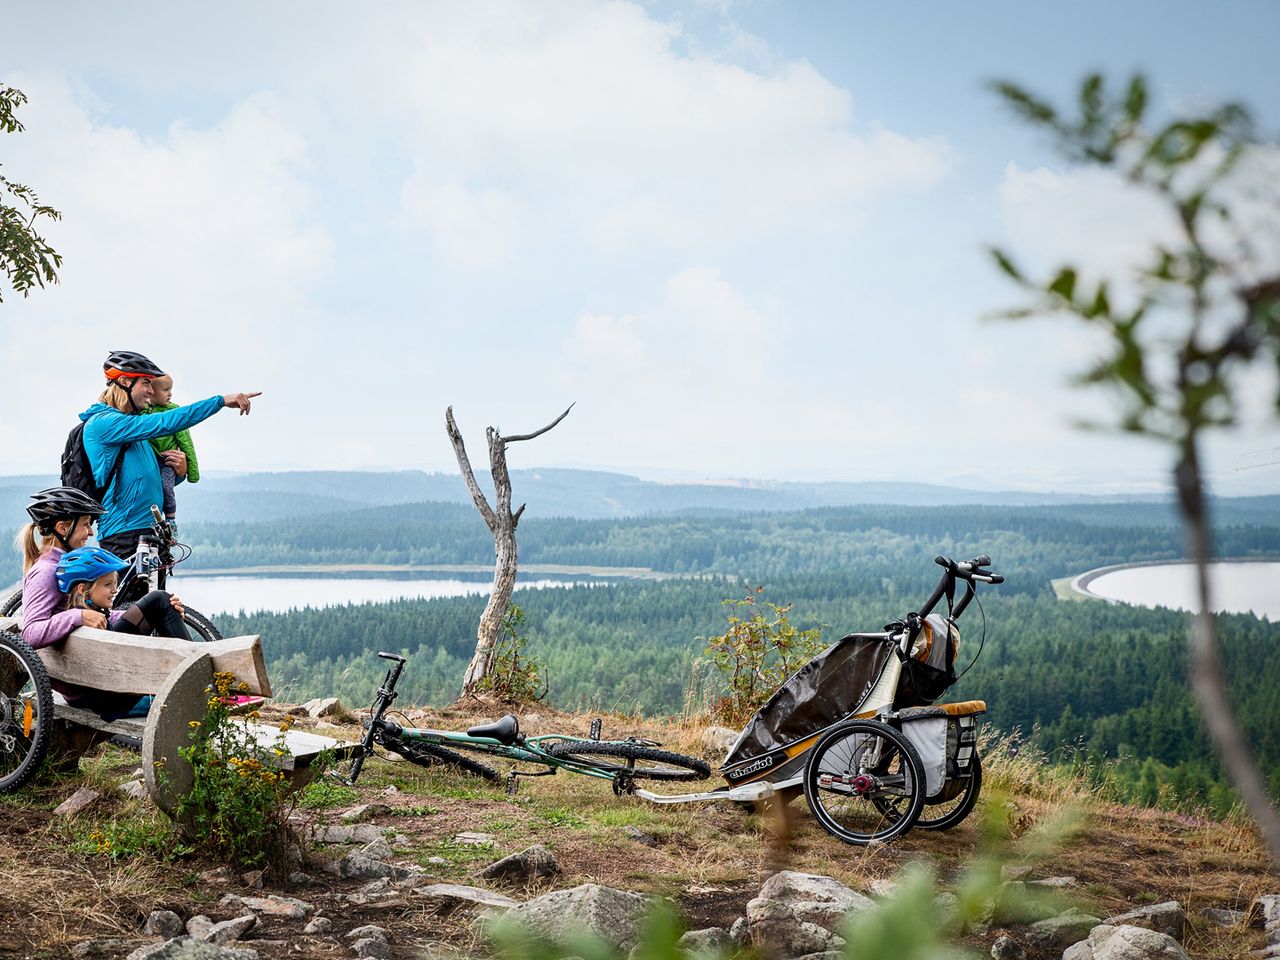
x=114, y=431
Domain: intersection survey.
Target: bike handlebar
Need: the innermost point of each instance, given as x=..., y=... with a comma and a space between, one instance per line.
x=967, y=570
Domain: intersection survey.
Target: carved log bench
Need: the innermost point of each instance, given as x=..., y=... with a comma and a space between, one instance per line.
x=179, y=675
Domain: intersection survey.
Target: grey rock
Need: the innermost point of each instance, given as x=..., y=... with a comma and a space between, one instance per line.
x=376, y=849
x=774, y=926
x=1267, y=953
x=1066, y=928
x=614, y=916
x=1006, y=948
x=456, y=894
x=883, y=887
x=1107, y=942
x=469, y=838
x=76, y=802
x=719, y=739
x=164, y=923
x=199, y=927
x=1017, y=902
x=350, y=833
x=368, y=932
x=946, y=909
x=186, y=948
x=824, y=955
x=740, y=932
x=318, y=927
x=528, y=864
x=330, y=707
x=1265, y=910
x=376, y=888
x=357, y=867
x=1015, y=871
x=1167, y=918
x=105, y=949
x=1054, y=883
x=365, y=811
x=790, y=886
x=133, y=789
x=229, y=931
x=300, y=879
x=639, y=836
x=710, y=940
x=1223, y=918
x=372, y=948
x=253, y=878
x=274, y=906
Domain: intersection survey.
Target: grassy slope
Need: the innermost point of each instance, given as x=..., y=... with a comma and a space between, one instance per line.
x=710, y=858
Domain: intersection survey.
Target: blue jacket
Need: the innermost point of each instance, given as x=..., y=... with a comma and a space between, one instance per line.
x=108, y=433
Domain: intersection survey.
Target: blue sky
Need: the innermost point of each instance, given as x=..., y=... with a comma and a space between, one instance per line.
x=746, y=238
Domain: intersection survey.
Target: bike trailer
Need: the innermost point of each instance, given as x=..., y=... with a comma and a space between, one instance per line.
x=849, y=679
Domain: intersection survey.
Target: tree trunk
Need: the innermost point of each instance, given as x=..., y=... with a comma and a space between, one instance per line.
x=1207, y=677
x=501, y=522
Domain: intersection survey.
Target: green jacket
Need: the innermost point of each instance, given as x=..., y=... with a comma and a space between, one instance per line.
x=179, y=441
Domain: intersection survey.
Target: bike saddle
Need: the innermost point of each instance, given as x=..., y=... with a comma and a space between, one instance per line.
x=506, y=731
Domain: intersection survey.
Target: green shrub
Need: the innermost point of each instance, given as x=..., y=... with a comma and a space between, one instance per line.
x=240, y=801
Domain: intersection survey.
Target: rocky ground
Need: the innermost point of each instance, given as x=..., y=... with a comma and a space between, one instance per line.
x=415, y=863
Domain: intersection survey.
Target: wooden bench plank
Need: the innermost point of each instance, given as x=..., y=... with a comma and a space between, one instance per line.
x=124, y=663
x=125, y=726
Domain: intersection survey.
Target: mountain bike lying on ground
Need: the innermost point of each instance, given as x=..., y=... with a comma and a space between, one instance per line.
x=158, y=552
x=622, y=762
x=855, y=728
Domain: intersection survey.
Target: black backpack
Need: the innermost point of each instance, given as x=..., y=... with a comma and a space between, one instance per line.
x=76, y=471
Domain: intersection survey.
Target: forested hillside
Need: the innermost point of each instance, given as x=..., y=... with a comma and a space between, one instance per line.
x=1080, y=678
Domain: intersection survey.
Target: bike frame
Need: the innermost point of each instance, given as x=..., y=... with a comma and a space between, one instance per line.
x=525, y=749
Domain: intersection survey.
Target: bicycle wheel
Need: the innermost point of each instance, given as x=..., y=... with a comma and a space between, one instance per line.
x=26, y=712
x=864, y=782
x=430, y=755
x=199, y=626
x=954, y=801
x=642, y=761
x=12, y=606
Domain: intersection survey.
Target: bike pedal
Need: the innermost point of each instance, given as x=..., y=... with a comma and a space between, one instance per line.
x=595, y=729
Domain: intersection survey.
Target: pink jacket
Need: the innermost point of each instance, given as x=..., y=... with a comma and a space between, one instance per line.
x=46, y=618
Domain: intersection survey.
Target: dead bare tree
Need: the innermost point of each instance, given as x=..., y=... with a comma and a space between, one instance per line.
x=501, y=522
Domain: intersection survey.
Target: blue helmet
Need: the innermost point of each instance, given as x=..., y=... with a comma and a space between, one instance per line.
x=85, y=566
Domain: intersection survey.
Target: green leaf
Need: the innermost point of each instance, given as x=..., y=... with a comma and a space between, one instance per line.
x=1025, y=105
x=1064, y=284
x=1006, y=264
x=1135, y=101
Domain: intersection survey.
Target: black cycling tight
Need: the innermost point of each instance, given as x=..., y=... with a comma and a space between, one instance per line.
x=153, y=614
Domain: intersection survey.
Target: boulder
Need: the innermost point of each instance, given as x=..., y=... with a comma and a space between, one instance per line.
x=1006, y=948
x=198, y=927
x=710, y=940
x=273, y=906
x=364, y=812
x=719, y=740
x=1223, y=918
x=76, y=802
x=1107, y=942
x=368, y=932
x=528, y=864
x=164, y=923
x=1167, y=918
x=452, y=895
x=330, y=707
x=229, y=931
x=372, y=948
x=318, y=927
x=614, y=916
x=186, y=948
x=107, y=948
x=1063, y=929
x=799, y=913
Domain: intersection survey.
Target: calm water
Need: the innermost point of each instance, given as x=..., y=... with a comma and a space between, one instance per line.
x=231, y=594
x=1237, y=587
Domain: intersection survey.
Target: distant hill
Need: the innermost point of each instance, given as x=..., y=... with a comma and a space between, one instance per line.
x=583, y=494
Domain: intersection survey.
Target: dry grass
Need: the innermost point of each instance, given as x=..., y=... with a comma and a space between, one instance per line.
x=709, y=858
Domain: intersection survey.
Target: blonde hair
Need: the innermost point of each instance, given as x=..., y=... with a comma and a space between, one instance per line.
x=30, y=547
x=77, y=595
x=117, y=396
x=164, y=380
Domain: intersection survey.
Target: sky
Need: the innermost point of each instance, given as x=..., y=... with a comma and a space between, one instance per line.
x=746, y=239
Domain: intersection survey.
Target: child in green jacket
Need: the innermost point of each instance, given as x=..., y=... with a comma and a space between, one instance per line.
x=162, y=395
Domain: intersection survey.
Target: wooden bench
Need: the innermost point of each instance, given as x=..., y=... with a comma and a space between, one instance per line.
x=179, y=674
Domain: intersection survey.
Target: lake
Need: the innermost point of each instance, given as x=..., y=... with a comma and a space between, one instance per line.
x=212, y=595
x=1237, y=587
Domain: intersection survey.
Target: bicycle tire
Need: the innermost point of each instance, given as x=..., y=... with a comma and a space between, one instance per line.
x=860, y=814
x=431, y=755
x=199, y=626
x=668, y=765
x=11, y=605
x=26, y=712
